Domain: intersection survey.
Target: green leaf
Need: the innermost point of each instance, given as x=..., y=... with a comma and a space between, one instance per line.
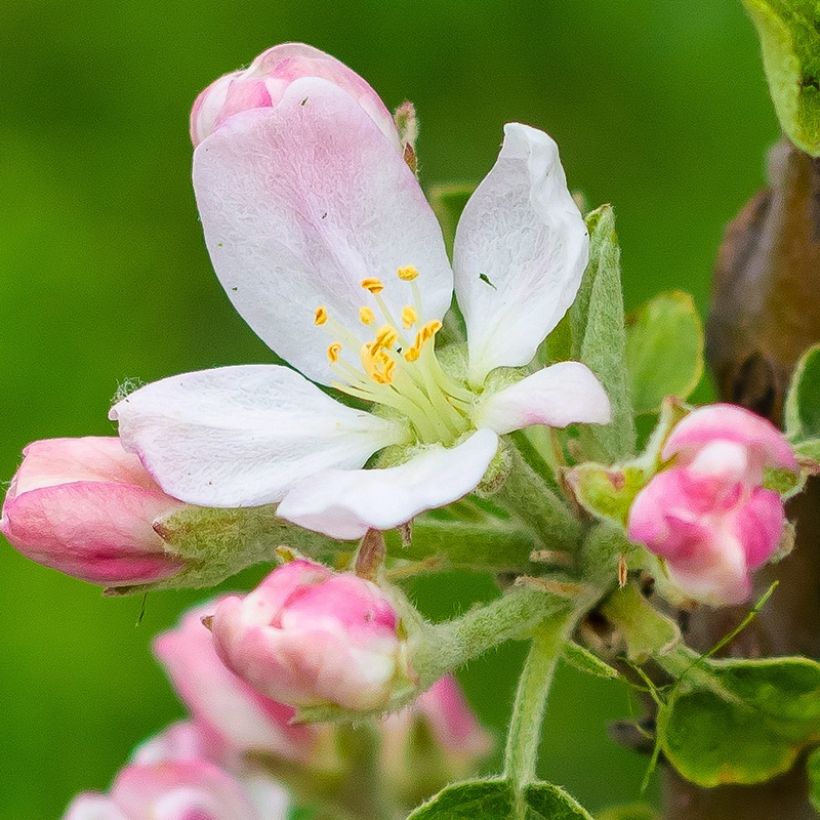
x=741, y=721
x=634, y=811
x=580, y=658
x=802, y=410
x=495, y=799
x=813, y=766
x=664, y=350
x=607, y=492
x=789, y=32
x=599, y=337
x=447, y=202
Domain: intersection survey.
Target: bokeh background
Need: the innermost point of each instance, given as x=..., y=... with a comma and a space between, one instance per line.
x=659, y=107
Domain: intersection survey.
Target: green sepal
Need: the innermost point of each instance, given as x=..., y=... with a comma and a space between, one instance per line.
x=802, y=408
x=740, y=721
x=789, y=32
x=599, y=337
x=495, y=799
x=664, y=350
x=582, y=660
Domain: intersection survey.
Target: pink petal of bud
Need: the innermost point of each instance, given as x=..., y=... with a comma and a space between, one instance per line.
x=86, y=507
x=263, y=84
x=235, y=717
x=765, y=445
x=308, y=636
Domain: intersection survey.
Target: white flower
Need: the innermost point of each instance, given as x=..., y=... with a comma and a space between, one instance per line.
x=323, y=240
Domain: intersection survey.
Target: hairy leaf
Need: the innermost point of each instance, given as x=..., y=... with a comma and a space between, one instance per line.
x=802, y=411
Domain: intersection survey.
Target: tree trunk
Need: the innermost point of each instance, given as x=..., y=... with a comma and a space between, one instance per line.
x=765, y=313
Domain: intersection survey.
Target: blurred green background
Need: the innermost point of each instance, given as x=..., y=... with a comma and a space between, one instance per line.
x=659, y=107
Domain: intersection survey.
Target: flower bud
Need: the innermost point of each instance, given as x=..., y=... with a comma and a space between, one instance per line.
x=708, y=515
x=263, y=84
x=233, y=716
x=86, y=507
x=308, y=636
x=434, y=741
x=172, y=790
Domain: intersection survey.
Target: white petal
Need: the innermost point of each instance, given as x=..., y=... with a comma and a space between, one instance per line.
x=301, y=202
x=565, y=393
x=520, y=250
x=346, y=503
x=242, y=436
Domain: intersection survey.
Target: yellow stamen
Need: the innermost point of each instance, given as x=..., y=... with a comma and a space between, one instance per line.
x=412, y=354
x=373, y=284
x=407, y=274
x=408, y=316
x=377, y=364
x=333, y=352
x=427, y=332
x=366, y=316
x=320, y=317
x=386, y=337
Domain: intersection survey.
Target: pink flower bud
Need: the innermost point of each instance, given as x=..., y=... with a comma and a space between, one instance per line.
x=432, y=742
x=263, y=84
x=309, y=637
x=234, y=717
x=708, y=515
x=86, y=507
x=171, y=791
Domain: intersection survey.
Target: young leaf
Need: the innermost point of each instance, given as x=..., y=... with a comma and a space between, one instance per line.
x=802, y=411
x=664, y=350
x=813, y=765
x=789, y=32
x=599, y=336
x=743, y=722
x=495, y=799
x=580, y=658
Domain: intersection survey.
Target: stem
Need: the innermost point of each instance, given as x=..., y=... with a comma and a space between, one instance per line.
x=524, y=734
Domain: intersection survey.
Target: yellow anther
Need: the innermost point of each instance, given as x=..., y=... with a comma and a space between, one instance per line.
x=366, y=316
x=428, y=331
x=408, y=316
x=411, y=354
x=377, y=364
x=333, y=352
x=320, y=317
x=373, y=284
x=407, y=274
x=386, y=337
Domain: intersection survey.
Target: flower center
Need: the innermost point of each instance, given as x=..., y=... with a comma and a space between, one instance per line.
x=398, y=368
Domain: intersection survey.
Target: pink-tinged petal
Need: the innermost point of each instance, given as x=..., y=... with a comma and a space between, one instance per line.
x=520, y=250
x=92, y=806
x=299, y=204
x=758, y=525
x=346, y=503
x=181, y=791
x=101, y=459
x=242, y=436
x=565, y=393
x=230, y=711
x=312, y=638
x=181, y=741
x=727, y=422
x=263, y=83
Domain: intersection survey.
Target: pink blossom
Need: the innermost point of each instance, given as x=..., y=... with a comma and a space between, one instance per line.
x=708, y=514
x=86, y=507
x=308, y=636
x=233, y=717
x=263, y=83
x=179, y=790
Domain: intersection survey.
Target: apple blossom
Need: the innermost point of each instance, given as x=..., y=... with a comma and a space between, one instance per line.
x=171, y=790
x=308, y=636
x=708, y=514
x=86, y=507
x=233, y=716
x=322, y=238
x=263, y=83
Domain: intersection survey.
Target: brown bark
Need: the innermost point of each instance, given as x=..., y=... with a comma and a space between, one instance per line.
x=765, y=313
